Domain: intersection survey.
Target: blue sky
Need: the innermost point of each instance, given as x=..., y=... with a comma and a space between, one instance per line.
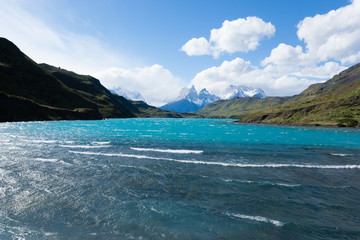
x=138, y=45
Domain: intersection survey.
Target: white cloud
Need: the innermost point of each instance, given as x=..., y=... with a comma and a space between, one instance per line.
x=321, y=72
x=329, y=37
x=197, y=47
x=43, y=43
x=285, y=54
x=334, y=35
x=155, y=83
x=274, y=80
x=241, y=35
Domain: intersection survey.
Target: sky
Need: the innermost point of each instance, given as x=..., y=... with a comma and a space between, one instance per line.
x=157, y=47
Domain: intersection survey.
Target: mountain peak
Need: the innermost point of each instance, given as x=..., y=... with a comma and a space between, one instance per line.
x=188, y=93
x=233, y=91
x=189, y=98
x=131, y=95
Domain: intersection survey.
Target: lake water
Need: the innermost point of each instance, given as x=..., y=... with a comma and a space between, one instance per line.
x=178, y=179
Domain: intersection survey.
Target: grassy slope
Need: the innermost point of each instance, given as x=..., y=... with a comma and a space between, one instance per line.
x=22, y=81
x=109, y=105
x=20, y=76
x=333, y=103
x=15, y=108
x=238, y=107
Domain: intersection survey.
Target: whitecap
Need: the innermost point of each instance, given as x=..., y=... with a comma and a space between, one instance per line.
x=180, y=151
x=46, y=159
x=257, y=218
x=286, y=184
x=267, y=183
x=52, y=160
x=101, y=143
x=241, y=165
x=84, y=146
x=155, y=210
x=235, y=180
x=341, y=154
x=41, y=141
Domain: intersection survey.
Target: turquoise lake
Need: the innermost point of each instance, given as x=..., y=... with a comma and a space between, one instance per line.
x=178, y=179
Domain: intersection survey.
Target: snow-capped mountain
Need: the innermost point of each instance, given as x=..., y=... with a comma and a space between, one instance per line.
x=242, y=91
x=189, y=100
x=188, y=93
x=131, y=95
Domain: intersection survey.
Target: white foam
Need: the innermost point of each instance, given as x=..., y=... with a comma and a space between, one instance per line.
x=341, y=154
x=180, y=151
x=286, y=184
x=46, y=159
x=118, y=155
x=101, y=143
x=258, y=219
x=84, y=146
x=41, y=141
x=253, y=182
x=241, y=165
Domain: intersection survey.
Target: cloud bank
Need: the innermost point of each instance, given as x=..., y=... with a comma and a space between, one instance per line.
x=155, y=83
x=331, y=42
x=241, y=35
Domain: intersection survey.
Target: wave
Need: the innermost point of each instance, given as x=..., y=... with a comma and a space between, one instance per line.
x=241, y=165
x=46, y=159
x=42, y=141
x=257, y=218
x=263, y=183
x=101, y=143
x=286, y=184
x=52, y=160
x=341, y=154
x=180, y=151
x=84, y=146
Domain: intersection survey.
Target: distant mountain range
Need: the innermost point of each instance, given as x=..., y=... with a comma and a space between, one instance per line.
x=232, y=92
x=189, y=100
x=31, y=91
x=130, y=95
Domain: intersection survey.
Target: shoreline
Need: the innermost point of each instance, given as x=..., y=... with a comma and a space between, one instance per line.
x=232, y=122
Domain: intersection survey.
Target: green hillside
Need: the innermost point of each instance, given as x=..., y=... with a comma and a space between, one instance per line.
x=238, y=107
x=333, y=103
x=31, y=91
x=91, y=89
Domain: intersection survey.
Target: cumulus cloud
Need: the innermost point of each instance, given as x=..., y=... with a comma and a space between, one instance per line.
x=329, y=37
x=274, y=80
x=155, y=83
x=285, y=54
x=334, y=35
x=241, y=35
x=331, y=41
x=197, y=47
x=320, y=72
